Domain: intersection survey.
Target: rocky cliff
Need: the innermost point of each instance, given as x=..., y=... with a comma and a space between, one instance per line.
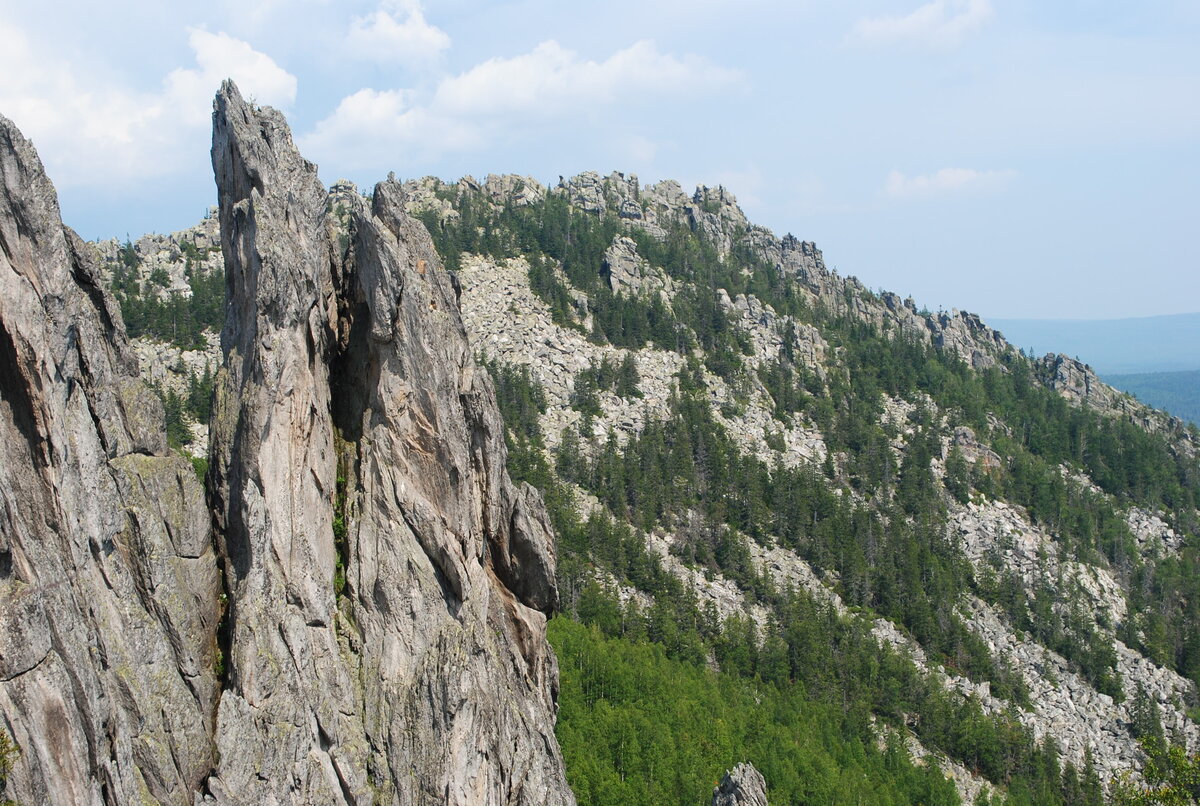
x=357, y=613
x=109, y=585
x=388, y=584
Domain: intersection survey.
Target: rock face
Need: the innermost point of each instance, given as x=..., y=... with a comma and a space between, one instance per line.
x=741, y=786
x=388, y=583
x=630, y=274
x=381, y=632
x=1080, y=385
x=109, y=586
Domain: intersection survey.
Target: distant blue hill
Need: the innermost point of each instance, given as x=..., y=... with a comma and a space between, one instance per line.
x=1113, y=346
x=1176, y=392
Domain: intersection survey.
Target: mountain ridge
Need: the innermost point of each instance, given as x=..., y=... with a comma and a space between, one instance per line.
x=730, y=468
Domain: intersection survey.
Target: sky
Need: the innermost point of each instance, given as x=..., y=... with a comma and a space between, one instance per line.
x=1014, y=158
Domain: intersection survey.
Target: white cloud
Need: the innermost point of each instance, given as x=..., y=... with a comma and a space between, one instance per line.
x=89, y=130
x=551, y=76
x=939, y=22
x=382, y=37
x=501, y=97
x=944, y=182
x=220, y=56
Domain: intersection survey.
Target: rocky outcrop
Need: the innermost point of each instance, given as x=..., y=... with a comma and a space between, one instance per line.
x=388, y=583
x=163, y=264
x=109, y=588
x=630, y=274
x=741, y=786
x=1078, y=383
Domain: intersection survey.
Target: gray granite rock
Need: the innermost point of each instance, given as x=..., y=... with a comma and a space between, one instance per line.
x=349, y=392
x=109, y=589
x=742, y=786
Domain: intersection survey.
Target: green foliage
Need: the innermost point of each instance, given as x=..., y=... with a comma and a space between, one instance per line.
x=550, y=233
x=341, y=530
x=198, y=402
x=897, y=565
x=1147, y=719
x=9, y=753
x=639, y=728
x=178, y=320
x=195, y=405
x=808, y=654
x=200, y=465
x=178, y=434
x=1172, y=777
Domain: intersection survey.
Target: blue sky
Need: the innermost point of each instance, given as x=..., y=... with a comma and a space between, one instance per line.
x=1009, y=157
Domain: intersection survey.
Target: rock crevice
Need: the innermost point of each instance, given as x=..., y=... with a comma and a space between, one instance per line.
x=359, y=477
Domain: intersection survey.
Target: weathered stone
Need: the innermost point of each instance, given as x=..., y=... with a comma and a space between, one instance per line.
x=741, y=786
x=108, y=581
x=349, y=394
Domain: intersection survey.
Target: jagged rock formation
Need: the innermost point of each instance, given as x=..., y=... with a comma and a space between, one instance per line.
x=108, y=582
x=741, y=786
x=162, y=263
x=353, y=436
x=1078, y=383
x=381, y=634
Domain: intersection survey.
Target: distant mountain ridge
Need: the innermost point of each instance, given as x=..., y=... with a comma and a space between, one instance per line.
x=1113, y=346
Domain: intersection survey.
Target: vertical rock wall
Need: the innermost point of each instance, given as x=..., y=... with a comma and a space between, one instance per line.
x=388, y=583
x=108, y=582
x=357, y=613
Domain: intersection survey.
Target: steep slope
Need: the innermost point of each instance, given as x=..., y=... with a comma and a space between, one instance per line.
x=388, y=583
x=1014, y=526
x=883, y=523
x=108, y=581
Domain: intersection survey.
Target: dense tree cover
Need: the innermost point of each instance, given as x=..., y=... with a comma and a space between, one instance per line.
x=885, y=560
x=637, y=727
x=809, y=655
x=1038, y=433
x=179, y=320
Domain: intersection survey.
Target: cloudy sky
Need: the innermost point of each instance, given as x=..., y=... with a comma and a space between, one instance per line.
x=1011, y=157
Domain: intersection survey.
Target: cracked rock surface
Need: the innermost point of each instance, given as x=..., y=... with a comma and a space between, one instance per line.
x=357, y=612
x=389, y=584
x=108, y=580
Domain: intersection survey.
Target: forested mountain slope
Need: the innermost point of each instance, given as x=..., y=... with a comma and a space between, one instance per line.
x=763, y=467
x=861, y=545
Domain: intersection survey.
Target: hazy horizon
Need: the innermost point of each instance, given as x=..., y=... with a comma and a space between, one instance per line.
x=1143, y=344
